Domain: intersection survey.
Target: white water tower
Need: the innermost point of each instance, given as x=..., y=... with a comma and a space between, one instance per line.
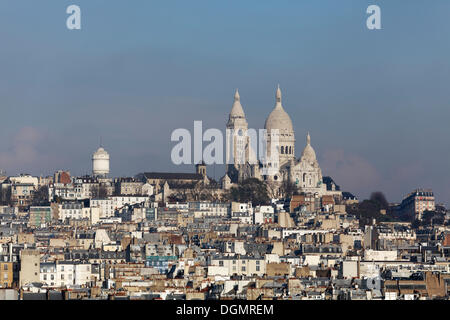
x=100, y=162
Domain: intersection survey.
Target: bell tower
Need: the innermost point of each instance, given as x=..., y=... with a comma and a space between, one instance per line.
x=236, y=139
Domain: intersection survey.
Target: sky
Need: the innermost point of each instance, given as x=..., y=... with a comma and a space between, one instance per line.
x=376, y=102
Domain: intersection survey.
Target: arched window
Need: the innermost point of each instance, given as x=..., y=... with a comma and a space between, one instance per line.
x=290, y=150
x=304, y=177
x=282, y=150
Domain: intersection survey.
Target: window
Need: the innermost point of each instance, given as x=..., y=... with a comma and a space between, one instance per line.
x=243, y=268
x=257, y=268
x=5, y=267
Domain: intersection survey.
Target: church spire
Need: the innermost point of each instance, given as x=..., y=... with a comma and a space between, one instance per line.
x=308, y=139
x=237, y=115
x=237, y=110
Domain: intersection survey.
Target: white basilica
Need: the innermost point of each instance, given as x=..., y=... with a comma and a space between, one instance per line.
x=303, y=172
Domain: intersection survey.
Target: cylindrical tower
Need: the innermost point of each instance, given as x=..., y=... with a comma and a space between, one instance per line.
x=100, y=162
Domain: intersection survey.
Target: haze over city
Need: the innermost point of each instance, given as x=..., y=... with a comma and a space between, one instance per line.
x=375, y=103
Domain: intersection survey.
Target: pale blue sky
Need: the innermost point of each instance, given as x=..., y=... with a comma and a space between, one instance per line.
x=376, y=102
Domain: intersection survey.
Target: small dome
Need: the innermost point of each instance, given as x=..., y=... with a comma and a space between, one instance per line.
x=308, y=153
x=100, y=154
x=278, y=118
x=101, y=151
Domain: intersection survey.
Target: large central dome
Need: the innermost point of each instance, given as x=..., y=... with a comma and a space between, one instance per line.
x=278, y=118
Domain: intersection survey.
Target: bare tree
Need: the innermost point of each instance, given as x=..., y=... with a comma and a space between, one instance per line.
x=102, y=192
x=379, y=197
x=94, y=191
x=5, y=196
x=180, y=195
x=288, y=188
x=252, y=190
x=41, y=196
x=272, y=189
x=197, y=192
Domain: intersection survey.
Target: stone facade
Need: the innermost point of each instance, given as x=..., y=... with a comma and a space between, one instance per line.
x=303, y=172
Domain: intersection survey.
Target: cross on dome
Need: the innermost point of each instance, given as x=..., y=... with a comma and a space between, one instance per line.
x=278, y=95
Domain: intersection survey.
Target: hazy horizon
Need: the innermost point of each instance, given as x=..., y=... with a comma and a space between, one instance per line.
x=375, y=102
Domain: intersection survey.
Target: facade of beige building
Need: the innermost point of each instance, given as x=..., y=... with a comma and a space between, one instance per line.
x=29, y=266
